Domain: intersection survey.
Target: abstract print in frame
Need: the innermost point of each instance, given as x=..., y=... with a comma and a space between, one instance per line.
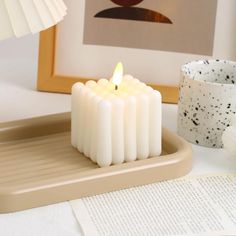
x=96, y=35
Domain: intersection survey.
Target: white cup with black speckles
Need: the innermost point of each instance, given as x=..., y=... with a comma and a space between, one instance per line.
x=207, y=101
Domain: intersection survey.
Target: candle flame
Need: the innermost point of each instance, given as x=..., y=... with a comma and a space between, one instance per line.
x=118, y=74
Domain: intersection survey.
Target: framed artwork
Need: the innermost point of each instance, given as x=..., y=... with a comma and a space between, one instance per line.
x=152, y=38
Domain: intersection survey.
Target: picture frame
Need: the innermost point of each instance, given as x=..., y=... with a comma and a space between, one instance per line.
x=50, y=80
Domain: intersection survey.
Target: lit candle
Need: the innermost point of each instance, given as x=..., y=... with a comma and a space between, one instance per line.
x=117, y=120
x=87, y=124
x=142, y=126
x=76, y=113
x=104, y=134
x=117, y=130
x=130, y=128
x=155, y=129
x=94, y=115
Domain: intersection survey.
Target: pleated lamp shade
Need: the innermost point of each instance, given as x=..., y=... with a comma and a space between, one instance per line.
x=21, y=17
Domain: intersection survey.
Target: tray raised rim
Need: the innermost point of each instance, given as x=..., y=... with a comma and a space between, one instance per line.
x=13, y=198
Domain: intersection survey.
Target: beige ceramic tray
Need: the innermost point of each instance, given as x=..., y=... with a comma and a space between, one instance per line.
x=38, y=166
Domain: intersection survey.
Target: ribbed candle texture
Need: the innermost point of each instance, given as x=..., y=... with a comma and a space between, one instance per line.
x=115, y=125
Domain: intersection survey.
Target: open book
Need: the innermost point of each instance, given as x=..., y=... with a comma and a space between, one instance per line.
x=204, y=205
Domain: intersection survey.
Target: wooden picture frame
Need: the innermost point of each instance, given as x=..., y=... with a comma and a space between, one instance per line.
x=51, y=78
x=48, y=81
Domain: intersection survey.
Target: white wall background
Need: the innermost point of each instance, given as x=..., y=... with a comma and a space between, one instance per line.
x=26, y=47
x=19, y=98
x=18, y=58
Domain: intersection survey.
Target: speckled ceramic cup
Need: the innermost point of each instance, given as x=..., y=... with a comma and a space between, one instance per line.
x=207, y=101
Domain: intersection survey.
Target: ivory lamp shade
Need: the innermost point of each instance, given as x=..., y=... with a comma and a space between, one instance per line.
x=21, y=17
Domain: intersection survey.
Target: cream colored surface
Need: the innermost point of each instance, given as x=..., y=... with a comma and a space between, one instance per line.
x=40, y=167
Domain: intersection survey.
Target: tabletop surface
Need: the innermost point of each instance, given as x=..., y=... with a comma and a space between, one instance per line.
x=19, y=99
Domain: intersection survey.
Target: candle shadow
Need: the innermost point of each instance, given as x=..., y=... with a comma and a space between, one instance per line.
x=134, y=13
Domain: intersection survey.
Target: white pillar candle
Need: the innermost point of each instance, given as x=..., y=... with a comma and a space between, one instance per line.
x=155, y=129
x=91, y=84
x=82, y=118
x=142, y=126
x=75, y=112
x=103, y=82
x=117, y=130
x=104, y=134
x=87, y=125
x=116, y=121
x=94, y=114
x=130, y=128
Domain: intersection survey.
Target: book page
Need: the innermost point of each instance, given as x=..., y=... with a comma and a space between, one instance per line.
x=204, y=205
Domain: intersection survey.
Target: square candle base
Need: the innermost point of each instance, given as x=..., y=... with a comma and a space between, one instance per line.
x=40, y=167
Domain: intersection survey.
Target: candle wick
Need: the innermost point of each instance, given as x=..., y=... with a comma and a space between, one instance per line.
x=116, y=87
